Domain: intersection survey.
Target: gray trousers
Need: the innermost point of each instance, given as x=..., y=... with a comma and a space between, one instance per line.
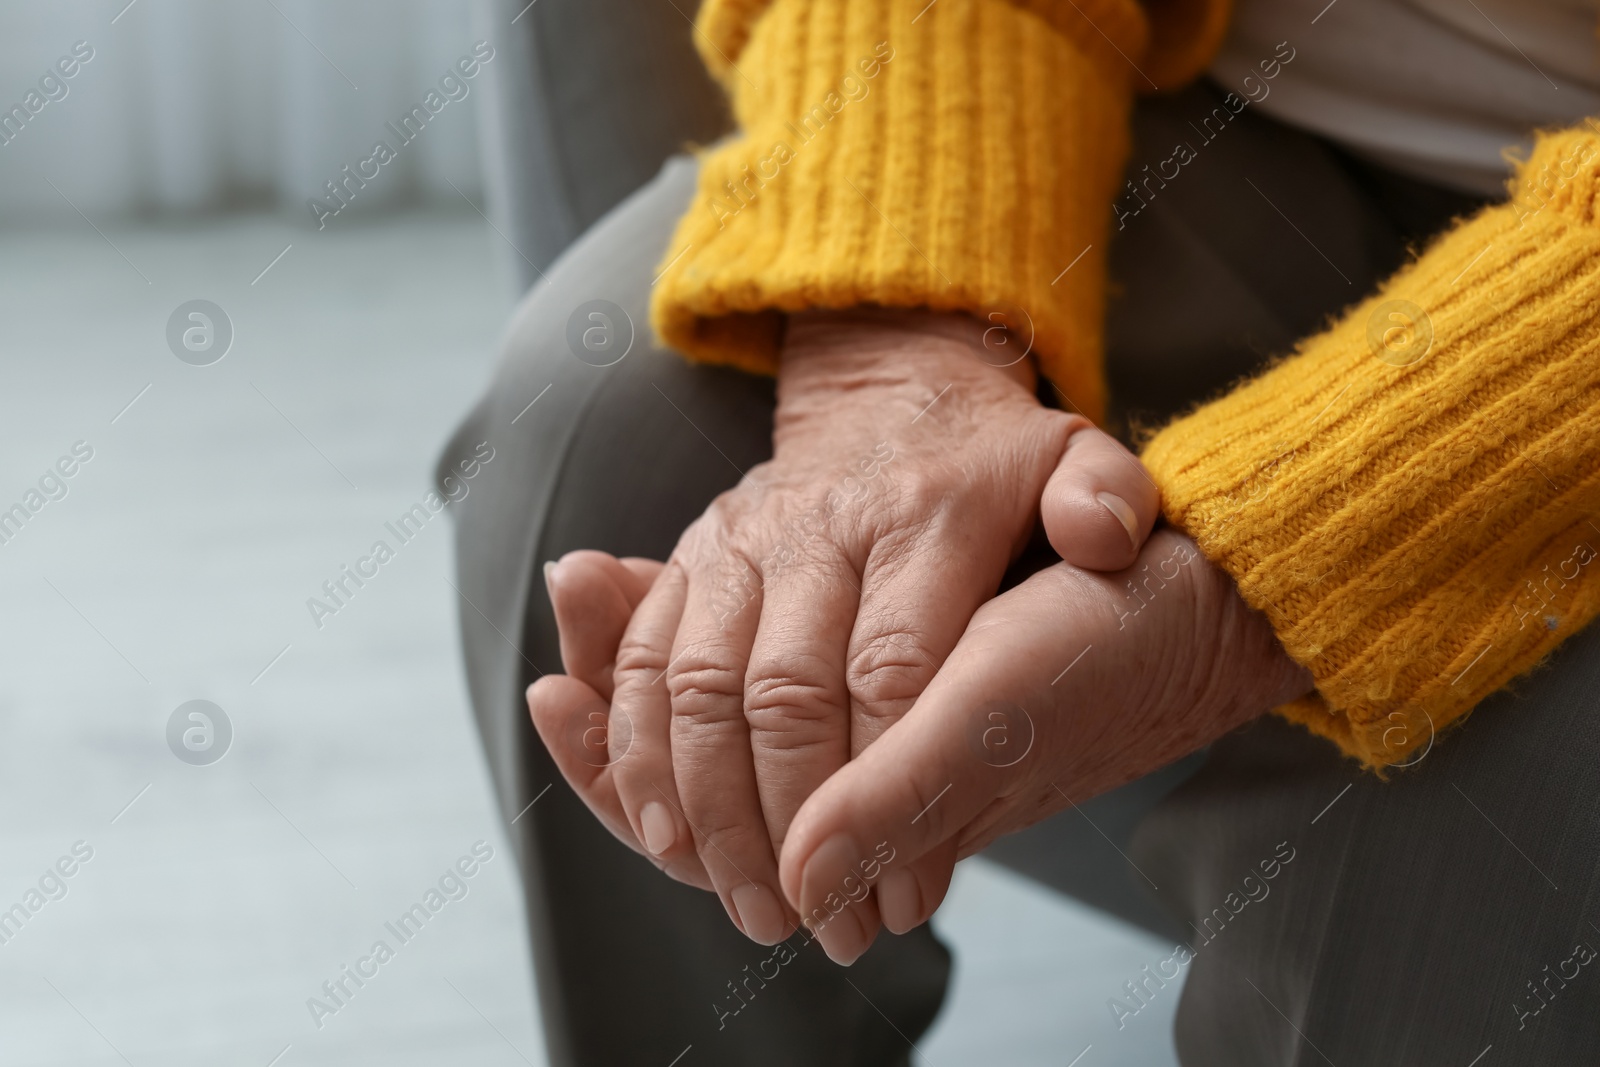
x=1322, y=915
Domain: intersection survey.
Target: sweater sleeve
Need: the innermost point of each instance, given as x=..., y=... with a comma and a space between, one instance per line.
x=955, y=154
x=1411, y=498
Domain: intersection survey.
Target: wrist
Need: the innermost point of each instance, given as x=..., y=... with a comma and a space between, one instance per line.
x=1252, y=672
x=947, y=342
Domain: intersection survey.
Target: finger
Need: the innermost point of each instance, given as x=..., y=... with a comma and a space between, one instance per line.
x=968, y=742
x=798, y=709
x=711, y=746
x=907, y=795
x=1100, y=504
x=641, y=714
x=915, y=603
x=795, y=701
x=563, y=709
x=593, y=595
x=562, y=706
x=845, y=920
x=916, y=599
x=644, y=573
x=909, y=895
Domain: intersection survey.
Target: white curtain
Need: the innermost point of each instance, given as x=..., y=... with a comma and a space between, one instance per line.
x=192, y=106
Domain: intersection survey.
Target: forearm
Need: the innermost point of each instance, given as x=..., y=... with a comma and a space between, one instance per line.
x=959, y=161
x=1412, y=509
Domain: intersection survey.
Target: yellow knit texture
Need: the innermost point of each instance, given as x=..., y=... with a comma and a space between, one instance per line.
x=1411, y=497
x=958, y=157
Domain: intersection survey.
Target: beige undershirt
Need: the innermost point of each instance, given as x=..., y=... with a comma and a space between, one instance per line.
x=1435, y=88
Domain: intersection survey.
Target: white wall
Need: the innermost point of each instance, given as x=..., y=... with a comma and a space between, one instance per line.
x=198, y=105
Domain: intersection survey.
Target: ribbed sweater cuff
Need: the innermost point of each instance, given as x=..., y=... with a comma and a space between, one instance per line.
x=957, y=156
x=1411, y=498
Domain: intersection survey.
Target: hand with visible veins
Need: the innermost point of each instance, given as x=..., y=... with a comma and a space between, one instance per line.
x=810, y=605
x=795, y=622
x=1158, y=661
x=594, y=596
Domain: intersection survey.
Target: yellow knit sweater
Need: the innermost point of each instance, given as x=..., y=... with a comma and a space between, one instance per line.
x=1409, y=498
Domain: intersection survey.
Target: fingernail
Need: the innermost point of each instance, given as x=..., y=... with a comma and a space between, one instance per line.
x=759, y=913
x=899, y=900
x=823, y=889
x=825, y=872
x=843, y=937
x=660, y=828
x=550, y=565
x=1119, y=507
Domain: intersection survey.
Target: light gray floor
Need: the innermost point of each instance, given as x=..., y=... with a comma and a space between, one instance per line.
x=178, y=567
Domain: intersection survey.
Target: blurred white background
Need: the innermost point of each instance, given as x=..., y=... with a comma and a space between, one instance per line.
x=219, y=898
x=195, y=105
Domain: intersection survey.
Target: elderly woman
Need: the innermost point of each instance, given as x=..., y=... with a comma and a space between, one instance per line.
x=882, y=340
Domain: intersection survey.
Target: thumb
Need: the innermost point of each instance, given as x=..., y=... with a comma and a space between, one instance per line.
x=960, y=748
x=1100, y=504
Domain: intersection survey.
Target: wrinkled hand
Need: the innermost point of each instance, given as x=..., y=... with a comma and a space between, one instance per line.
x=1062, y=688
x=810, y=606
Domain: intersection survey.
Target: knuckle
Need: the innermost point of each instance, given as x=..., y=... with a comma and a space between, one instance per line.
x=790, y=693
x=704, y=691
x=1047, y=432
x=1063, y=424
x=887, y=669
x=790, y=709
x=638, y=662
x=715, y=541
x=723, y=514
x=735, y=588
x=716, y=526
x=922, y=490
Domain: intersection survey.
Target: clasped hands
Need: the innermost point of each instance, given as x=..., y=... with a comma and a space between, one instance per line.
x=818, y=704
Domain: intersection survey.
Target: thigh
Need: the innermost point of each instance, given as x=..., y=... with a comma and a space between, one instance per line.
x=1330, y=916
x=603, y=440
x=1082, y=852
x=1420, y=920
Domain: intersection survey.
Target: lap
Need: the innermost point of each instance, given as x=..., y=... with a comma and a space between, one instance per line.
x=536, y=415
x=1421, y=919
x=623, y=446
x=1415, y=911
